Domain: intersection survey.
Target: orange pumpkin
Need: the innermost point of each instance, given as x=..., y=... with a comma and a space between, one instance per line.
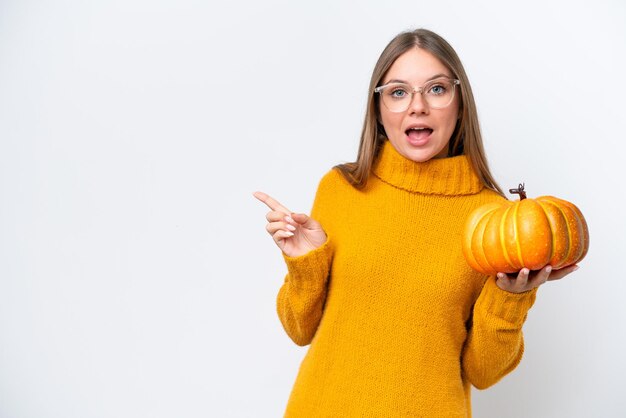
x=532, y=233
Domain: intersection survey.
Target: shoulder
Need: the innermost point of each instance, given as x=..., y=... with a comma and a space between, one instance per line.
x=333, y=190
x=332, y=193
x=333, y=180
x=483, y=197
x=486, y=195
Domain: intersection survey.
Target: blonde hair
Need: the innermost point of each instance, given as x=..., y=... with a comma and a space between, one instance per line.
x=466, y=138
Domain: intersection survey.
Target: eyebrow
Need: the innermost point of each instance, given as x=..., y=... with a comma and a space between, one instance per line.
x=406, y=82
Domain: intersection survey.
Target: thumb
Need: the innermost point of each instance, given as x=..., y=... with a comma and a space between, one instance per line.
x=305, y=220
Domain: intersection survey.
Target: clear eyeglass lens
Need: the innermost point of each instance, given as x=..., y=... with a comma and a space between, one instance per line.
x=397, y=97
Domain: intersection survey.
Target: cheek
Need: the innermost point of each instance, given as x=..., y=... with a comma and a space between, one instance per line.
x=452, y=123
x=451, y=119
x=391, y=121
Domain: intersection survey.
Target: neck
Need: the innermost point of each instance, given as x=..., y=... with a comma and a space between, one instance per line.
x=444, y=176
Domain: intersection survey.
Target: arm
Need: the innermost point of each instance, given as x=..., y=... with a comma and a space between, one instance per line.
x=495, y=342
x=301, y=298
x=308, y=252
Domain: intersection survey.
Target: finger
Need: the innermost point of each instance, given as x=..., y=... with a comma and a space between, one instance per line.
x=560, y=273
x=541, y=277
x=522, y=278
x=503, y=281
x=270, y=202
x=305, y=220
x=280, y=235
x=273, y=227
x=514, y=284
x=275, y=216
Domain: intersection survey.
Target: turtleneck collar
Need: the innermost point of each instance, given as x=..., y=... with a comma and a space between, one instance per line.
x=444, y=176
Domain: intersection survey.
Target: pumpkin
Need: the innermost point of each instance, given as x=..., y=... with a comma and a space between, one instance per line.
x=508, y=236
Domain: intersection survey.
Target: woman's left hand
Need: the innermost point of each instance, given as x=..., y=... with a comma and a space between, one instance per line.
x=527, y=280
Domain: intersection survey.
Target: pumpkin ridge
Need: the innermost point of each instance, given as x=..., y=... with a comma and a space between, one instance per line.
x=552, y=231
x=489, y=214
x=516, y=234
x=480, y=249
x=471, y=236
x=554, y=203
x=580, y=234
x=569, y=234
x=505, y=253
x=585, y=235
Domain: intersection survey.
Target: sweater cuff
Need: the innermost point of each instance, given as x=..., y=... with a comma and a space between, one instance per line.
x=512, y=307
x=311, y=267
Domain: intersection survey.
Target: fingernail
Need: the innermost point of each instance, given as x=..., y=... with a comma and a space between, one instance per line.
x=548, y=269
x=289, y=218
x=500, y=276
x=575, y=268
x=525, y=271
x=289, y=234
x=291, y=227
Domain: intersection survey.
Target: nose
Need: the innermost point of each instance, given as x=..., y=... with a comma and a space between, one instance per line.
x=418, y=104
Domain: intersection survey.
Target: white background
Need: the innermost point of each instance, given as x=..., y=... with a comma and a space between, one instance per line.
x=136, y=277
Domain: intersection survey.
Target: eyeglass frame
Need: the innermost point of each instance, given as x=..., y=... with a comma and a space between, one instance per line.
x=454, y=81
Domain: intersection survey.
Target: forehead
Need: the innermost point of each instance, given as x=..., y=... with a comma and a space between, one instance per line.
x=416, y=66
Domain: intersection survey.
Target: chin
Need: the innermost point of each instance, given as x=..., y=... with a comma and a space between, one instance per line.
x=421, y=156
x=423, y=159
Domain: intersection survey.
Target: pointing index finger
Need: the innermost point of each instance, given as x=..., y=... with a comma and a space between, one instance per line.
x=271, y=202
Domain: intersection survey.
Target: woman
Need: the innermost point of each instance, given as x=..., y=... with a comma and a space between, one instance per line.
x=399, y=324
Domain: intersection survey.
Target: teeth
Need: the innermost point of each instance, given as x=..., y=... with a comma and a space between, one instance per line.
x=417, y=129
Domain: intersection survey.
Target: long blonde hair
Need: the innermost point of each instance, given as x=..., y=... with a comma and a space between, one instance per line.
x=466, y=138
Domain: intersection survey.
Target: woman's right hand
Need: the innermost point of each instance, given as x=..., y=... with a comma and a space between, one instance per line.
x=295, y=233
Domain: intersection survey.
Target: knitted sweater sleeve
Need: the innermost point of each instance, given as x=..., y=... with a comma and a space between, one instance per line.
x=301, y=298
x=495, y=342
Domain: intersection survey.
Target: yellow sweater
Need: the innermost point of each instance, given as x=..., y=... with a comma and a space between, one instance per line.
x=399, y=324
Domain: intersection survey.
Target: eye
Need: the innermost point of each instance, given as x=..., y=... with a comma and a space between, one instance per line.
x=438, y=89
x=397, y=93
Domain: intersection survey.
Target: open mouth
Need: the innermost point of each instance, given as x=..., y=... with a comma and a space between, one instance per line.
x=418, y=134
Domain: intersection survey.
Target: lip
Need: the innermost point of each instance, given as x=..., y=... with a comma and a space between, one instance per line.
x=417, y=125
x=422, y=141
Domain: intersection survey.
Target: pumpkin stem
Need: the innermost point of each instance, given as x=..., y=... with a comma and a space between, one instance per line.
x=520, y=191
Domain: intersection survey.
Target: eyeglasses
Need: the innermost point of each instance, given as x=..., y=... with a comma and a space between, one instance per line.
x=438, y=93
